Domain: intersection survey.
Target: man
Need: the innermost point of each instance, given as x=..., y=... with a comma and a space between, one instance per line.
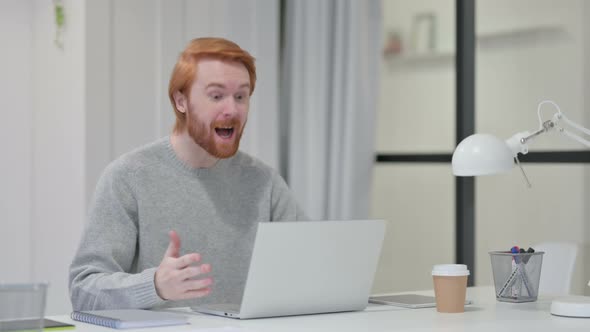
x=193, y=185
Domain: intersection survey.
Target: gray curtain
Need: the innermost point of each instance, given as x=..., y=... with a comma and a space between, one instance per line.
x=331, y=63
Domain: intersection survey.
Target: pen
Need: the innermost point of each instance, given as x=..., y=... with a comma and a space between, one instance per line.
x=508, y=282
x=512, y=276
x=518, y=270
x=516, y=263
x=525, y=279
x=523, y=273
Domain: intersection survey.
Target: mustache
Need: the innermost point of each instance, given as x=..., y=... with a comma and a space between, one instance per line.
x=233, y=122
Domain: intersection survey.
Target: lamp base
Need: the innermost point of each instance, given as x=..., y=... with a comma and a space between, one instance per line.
x=571, y=306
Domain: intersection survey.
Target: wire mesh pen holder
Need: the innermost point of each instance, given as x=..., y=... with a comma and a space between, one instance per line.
x=516, y=275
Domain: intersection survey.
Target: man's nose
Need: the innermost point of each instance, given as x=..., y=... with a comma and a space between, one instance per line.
x=231, y=108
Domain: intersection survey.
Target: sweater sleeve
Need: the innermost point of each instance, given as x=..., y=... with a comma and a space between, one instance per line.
x=284, y=206
x=100, y=275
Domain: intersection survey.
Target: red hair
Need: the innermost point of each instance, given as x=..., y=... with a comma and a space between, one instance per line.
x=184, y=73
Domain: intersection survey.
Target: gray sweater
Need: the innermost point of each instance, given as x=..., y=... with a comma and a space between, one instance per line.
x=148, y=192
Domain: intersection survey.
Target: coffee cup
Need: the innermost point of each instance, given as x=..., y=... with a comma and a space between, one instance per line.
x=450, y=287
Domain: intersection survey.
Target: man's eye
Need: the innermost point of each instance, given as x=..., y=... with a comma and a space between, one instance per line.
x=216, y=97
x=240, y=97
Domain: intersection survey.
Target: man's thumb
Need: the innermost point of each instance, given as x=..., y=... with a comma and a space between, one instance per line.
x=174, y=246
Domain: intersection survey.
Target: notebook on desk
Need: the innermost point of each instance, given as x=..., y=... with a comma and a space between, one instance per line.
x=129, y=318
x=308, y=267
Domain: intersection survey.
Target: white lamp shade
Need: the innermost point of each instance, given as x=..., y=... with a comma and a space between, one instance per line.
x=482, y=154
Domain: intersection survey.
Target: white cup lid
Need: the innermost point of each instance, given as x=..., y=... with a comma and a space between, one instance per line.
x=451, y=270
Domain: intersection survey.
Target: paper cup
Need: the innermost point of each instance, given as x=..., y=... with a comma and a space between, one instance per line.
x=450, y=287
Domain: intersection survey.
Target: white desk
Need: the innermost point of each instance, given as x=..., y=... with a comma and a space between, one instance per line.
x=485, y=314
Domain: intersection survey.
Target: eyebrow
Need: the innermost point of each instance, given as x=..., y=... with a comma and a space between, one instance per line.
x=222, y=86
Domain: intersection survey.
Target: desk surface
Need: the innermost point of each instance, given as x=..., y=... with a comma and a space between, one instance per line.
x=485, y=314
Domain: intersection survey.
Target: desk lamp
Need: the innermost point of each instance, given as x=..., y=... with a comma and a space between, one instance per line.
x=483, y=154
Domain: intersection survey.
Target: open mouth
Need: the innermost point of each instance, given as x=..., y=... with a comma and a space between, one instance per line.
x=224, y=132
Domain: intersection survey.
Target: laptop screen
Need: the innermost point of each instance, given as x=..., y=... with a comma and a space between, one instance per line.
x=311, y=267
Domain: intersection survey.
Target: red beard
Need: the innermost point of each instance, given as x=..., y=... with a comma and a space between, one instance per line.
x=209, y=139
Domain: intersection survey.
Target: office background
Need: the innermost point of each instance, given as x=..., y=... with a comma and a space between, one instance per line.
x=65, y=113
x=526, y=52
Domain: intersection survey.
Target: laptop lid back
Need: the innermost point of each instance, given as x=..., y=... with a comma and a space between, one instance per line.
x=312, y=267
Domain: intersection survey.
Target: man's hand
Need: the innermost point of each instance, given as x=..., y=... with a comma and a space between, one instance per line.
x=174, y=277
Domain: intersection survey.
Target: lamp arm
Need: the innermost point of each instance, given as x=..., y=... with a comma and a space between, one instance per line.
x=561, y=117
x=518, y=143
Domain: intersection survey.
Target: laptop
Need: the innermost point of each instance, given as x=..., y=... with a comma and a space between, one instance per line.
x=310, y=267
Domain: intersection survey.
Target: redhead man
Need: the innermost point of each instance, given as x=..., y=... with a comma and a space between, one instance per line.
x=193, y=185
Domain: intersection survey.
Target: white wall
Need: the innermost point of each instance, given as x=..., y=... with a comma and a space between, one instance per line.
x=16, y=141
x=43, y=120
x=99, y=141
x=58, y=146
x=65, y=114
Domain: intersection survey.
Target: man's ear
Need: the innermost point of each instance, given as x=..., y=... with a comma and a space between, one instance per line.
x=180, y=101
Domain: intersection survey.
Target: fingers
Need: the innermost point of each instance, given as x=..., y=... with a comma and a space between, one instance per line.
x=193, y=271
x=195, y=294
x=196, y=284
x=174, y=278
x=173, y=284
x=186, y=260
x=173, y=249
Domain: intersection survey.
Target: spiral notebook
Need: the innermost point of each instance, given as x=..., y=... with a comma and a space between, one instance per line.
x=129, y=318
